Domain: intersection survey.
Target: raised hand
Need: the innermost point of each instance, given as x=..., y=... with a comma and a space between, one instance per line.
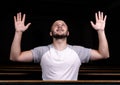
x=100, y=21
x=19, y=23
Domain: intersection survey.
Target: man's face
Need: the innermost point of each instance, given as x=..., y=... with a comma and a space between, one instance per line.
x=59, y=29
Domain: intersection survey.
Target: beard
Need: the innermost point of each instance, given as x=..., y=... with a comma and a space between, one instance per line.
x=57, y=36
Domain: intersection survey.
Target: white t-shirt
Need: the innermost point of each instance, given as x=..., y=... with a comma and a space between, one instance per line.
x=60, y=65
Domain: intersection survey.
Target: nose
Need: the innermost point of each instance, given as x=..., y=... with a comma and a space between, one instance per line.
x=59, y=27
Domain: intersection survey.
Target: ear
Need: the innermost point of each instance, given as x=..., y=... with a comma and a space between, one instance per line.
x=68, y=33
x=50, y=33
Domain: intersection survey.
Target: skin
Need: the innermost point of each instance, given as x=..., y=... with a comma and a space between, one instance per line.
x=59, y=27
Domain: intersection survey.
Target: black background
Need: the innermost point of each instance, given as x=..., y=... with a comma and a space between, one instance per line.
x=76, y=13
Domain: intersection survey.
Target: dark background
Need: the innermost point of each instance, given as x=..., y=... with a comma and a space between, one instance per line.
x=76, y=13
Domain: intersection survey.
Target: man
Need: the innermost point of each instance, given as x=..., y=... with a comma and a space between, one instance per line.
x=59, y=60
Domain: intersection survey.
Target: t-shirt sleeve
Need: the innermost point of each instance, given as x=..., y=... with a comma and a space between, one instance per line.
x=38, y=52
x=83, y=53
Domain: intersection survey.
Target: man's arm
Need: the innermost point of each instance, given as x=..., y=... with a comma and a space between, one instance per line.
x=103, y=50
x=16, y=54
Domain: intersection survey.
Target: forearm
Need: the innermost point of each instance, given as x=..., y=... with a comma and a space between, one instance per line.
x=103, y=44
x=16, y=46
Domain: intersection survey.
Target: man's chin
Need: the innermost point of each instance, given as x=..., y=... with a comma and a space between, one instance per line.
x=60, y=36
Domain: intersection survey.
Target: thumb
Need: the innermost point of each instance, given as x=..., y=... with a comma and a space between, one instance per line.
x=92, y=23
x=28, y=25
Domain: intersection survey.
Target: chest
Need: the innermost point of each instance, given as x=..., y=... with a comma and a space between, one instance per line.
x=60, y=58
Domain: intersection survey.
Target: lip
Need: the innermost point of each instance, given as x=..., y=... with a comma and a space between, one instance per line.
x=60, y=30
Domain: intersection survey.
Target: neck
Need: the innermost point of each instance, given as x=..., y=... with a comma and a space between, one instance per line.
x=60, y=44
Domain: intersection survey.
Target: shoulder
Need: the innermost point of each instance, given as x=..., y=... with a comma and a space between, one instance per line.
x=78, y=48
x=42, y=48
x=75, y=46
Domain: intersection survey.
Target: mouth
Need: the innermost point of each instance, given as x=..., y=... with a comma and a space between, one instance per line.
x=59, y=30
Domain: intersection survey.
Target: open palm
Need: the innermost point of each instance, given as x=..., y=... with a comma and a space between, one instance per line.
x=19, y=22
x=100, y=21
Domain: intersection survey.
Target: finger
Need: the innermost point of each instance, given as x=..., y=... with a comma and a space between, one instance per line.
x=28, y=25
x=101, y=16
x=96, y=16
x=23, y=19
x=18, y=16
x=105, y=18
x=14, y=18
